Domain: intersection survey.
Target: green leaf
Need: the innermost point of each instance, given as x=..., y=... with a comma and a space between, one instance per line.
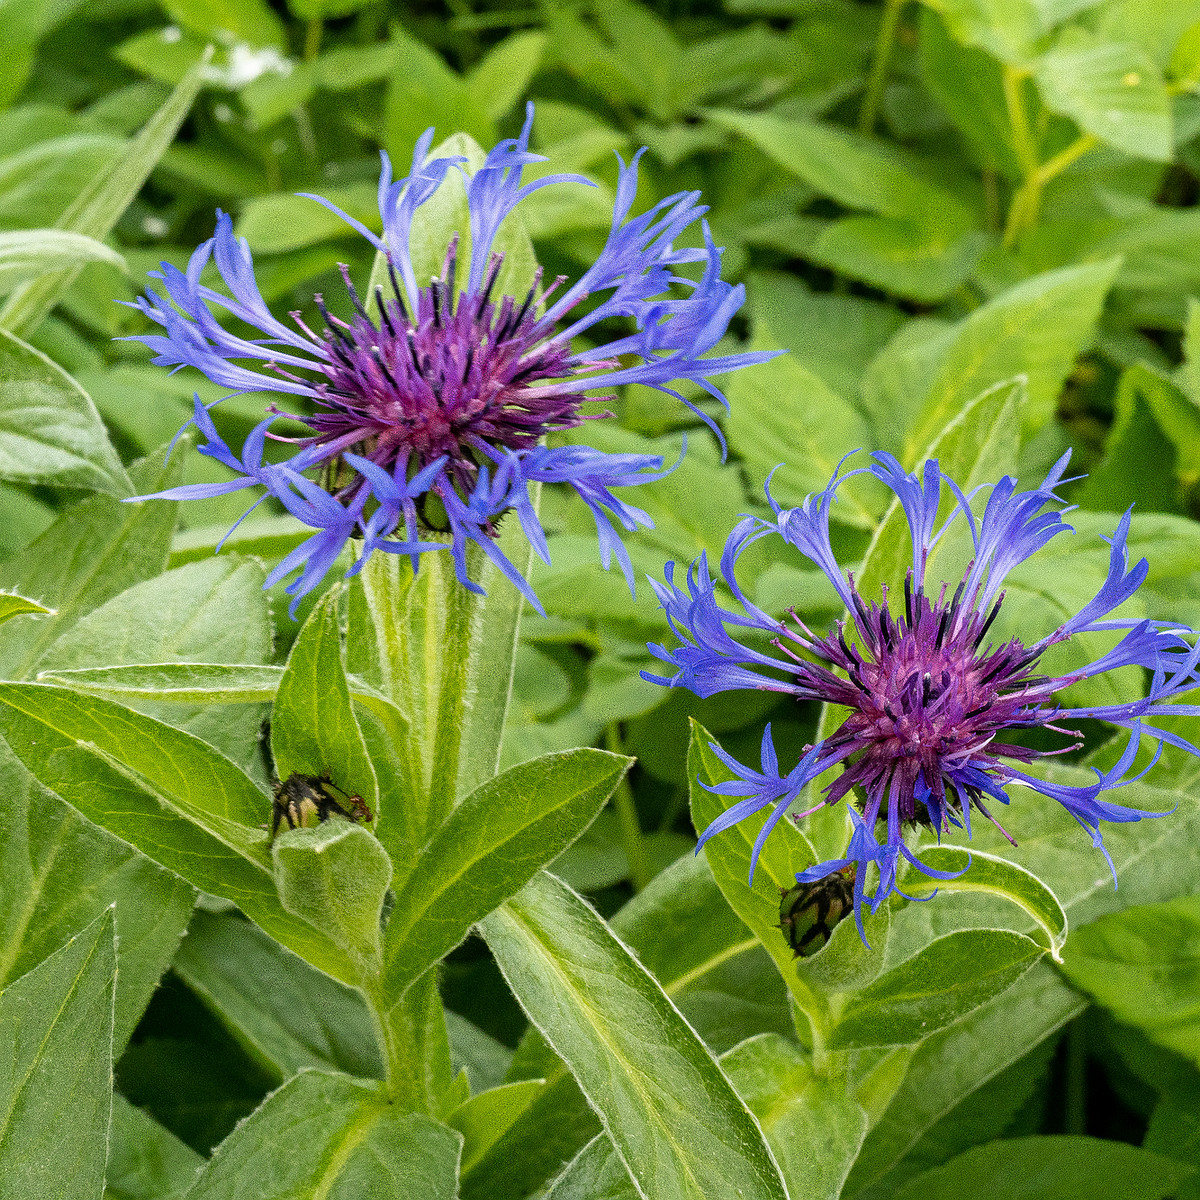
x=165, y=792
x=281, y=222
x=91, y=553
x=145, y=1160
x=313, y=728
x=1006, y=29
x=708, y=963
x=1151, y=416
x=424, y=91
x=201, y=784
x=998, y=877
x=844, y=963
x=489, y=847
x=670, y=1112
x=783, y=413
x=941, y=983
x=976, y=446
x=50, y=431
x=688, y=937
x=502, y=76
x=484, y=1118
x=856, y=171
x=785, y=853
x=595, y=1173
x=898, y=256
x=814, y=1128
x=28, y=253
x=1036, y=329
x=250, y=21
x=58, y=872
x=1143, y=965
x=1067, y=1168
x=173, y=683
x=97, y=208
x=303, y=1020
x=331, y=1136
x=957, y=1061
x=1112, y=90
x=56, y=1075
x=214, y=610
x=335, y=877
x=12, y=605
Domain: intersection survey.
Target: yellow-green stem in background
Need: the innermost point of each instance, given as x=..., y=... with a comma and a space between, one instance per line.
x=869, y=112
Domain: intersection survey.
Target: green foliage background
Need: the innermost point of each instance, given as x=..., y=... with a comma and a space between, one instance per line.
x=927, y=202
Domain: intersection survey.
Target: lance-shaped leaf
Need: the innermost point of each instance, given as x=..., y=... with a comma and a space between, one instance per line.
x=59, y=872
x=56, y=1069
x=487, y=849
x=996, y=876
x=165, y=792
x=50, y=431
x=672, y=1115
x=313, y=728
x=12, y=605
x=94, y=550
x=334, y=1137
x=26, y=253
x=938, y=985
x=99, y=206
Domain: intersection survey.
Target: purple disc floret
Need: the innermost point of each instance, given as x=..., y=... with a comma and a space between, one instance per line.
x=931, y=697
x=428, y=409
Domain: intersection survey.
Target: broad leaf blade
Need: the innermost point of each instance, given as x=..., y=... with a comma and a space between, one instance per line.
x=327, y=1135
x=671, y=1114
x=59, y=872
x=303, y=1020
x=489, y=847
x=313, y=728
x=50, y=431
x=56, y=1069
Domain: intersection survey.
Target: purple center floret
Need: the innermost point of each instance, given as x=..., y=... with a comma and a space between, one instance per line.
x=928, y=699
x=465, y=375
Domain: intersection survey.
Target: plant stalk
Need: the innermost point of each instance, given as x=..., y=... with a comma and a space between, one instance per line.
x=868, y=114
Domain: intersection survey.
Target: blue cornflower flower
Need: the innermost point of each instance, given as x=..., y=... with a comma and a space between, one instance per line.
x=449, y=394
x=928, y=698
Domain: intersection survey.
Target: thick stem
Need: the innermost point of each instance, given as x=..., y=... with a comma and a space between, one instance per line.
x=888, y=23
x=402, y=1067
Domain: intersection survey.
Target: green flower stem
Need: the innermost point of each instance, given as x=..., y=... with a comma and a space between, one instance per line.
x=632, y=841
x=1027, y=200
x=404, y=1066
x=869, y=112
x=313, y=33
